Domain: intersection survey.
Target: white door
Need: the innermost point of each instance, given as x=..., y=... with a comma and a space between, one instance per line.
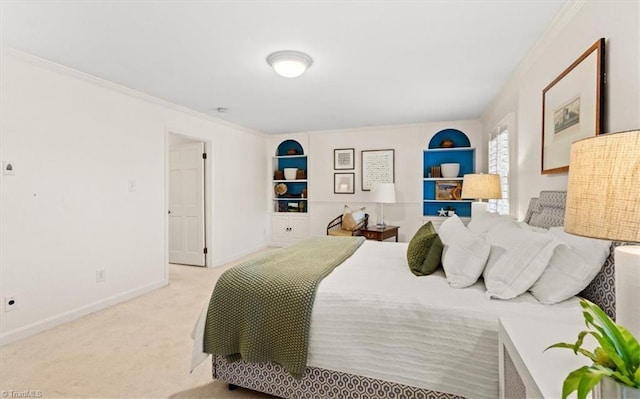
x=186, y=204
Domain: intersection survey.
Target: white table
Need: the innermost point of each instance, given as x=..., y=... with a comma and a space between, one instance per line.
x=540, y=373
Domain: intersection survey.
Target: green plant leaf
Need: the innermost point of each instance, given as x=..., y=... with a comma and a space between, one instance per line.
x=610, y=331
x=572, y=381
x=633, y=345
x=575, y=350
x=590, y=379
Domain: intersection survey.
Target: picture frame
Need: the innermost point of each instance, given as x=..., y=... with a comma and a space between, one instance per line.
x=343, y=158
x=344, y=183
x=448, y=190
x=572, y=108
x=378, y=166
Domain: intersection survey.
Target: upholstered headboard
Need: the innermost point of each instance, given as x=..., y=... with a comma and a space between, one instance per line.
x=548, y=211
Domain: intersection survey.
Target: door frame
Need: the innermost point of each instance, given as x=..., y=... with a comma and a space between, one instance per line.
x=208, y=198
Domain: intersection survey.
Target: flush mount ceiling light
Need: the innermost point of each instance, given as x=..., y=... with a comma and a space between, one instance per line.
x=289, y=64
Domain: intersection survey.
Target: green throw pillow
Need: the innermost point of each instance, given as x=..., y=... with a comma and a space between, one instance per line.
x=424, y=251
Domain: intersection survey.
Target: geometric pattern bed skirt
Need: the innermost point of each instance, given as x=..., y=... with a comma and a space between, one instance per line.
x=316, y=383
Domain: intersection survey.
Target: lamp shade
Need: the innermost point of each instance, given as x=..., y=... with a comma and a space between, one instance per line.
x=384, y=193
x=481, y=186
x=603, y=192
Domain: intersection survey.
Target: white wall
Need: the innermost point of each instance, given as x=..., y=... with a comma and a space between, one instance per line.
x=578, y=26
x=408, y=141
x=75, y=142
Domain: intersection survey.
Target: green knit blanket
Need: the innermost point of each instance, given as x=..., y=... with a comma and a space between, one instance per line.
x=260, y=310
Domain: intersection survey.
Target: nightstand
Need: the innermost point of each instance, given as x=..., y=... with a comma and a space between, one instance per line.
x=526, y=370
x=380, y=233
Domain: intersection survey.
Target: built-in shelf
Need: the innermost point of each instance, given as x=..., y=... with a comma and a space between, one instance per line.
x=292, y=181
x=432, y=200
x=442, y=178
x=289, y=156
x=290, y=199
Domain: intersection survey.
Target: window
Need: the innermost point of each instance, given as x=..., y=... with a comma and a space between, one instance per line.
x=499, y=163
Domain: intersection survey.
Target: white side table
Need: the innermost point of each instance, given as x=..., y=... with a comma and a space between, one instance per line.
x=526, y=371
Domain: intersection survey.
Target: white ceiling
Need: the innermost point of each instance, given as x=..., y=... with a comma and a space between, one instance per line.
x=375, y=62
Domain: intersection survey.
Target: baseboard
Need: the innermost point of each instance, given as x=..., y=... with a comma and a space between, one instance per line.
x=233, y=258
x=40, y=326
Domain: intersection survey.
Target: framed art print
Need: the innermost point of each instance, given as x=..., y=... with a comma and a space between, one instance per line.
x=343, y=159
x=572, y=108
x=343, y=183
x=377, y=167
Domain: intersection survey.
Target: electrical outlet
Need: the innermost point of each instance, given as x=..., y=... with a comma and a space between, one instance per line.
x=101, y=275
x=10, y=303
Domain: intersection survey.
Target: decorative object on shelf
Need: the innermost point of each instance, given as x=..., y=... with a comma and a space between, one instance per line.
x=344, y=183
x=290, y=173
x=301, y=174
x=293, y=206
x=384, y=193
x=278, y=175
x=289, y=63
x=435, y=172
x=572, y=108
x=617, y=358
x=304, y=193
x=457, y=193
x=442, y=212
x=343, y=158
x=377, y=167
x=603, y=201
x=292, y=151
x=450, y=170
x=447, y=143
x=280, y=189
x=481, y=186
x=445, y=188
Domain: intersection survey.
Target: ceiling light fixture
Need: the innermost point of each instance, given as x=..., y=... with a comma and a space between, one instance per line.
x=289, y=64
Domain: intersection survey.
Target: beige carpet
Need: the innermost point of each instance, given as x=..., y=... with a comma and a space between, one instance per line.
x=137, y=349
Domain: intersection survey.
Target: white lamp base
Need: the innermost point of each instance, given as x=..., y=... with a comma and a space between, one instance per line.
x=478, y=208
x=627, y=274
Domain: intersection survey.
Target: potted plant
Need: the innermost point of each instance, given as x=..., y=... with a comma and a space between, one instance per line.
x=616, y=361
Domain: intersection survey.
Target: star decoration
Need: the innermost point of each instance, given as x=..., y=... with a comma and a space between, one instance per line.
x=442, y=212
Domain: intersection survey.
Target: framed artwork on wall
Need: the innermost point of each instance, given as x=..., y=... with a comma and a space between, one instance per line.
x=343, y=158
x=448, y=190
x=572, y=108
x=343, y=183
x=377, y=167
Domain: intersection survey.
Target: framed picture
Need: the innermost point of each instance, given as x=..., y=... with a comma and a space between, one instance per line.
x=572, y=108
x=343, y=158
x=377, y=167
x=343, y=183
x=447, y=190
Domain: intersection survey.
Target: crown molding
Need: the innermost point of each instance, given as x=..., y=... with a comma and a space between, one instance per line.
x=96, y=81
x=555, y=27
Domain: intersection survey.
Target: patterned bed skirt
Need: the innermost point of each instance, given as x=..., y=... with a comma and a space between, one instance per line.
x=317, y=383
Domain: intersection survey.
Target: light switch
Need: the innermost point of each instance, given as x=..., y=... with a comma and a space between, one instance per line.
x=8, y=168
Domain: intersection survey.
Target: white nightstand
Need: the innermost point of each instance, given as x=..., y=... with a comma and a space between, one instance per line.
x=526, y=371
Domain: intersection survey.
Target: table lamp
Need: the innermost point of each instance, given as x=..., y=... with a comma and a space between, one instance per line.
x=603, y=201
x=384, y=193
x=481, y=186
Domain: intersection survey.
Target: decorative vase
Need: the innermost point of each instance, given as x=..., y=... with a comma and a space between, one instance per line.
x=608, y=388
x=447, y=143
x=292, y=151
x=290, y=173
x=450, y=170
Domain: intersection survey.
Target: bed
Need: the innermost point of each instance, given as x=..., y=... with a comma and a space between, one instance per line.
x=374, y=329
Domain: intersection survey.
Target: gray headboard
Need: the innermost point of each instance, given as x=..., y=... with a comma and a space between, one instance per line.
x=548, y=211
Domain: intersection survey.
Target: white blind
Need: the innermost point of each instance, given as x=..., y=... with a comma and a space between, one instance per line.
x=499, y=163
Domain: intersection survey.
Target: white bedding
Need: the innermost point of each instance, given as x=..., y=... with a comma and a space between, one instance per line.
x=373, y=317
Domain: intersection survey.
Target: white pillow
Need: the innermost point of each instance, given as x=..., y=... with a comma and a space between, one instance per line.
x=464, y=254
x=572, y=267
x=518, y=258
x=481, y=222
x=358, y=214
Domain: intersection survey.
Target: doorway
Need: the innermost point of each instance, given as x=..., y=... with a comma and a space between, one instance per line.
x=187, y=239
